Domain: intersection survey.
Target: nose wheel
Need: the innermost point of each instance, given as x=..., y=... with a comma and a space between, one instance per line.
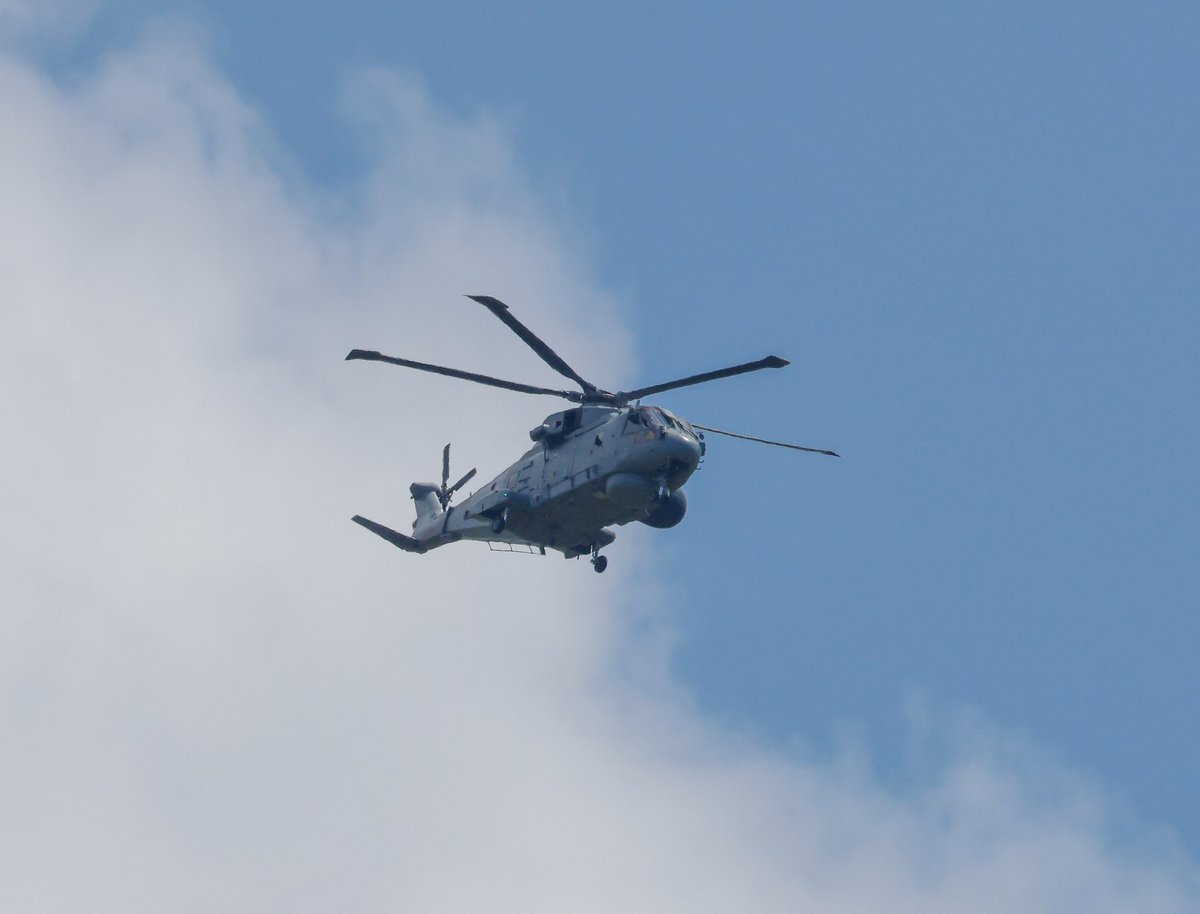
x=599, y=562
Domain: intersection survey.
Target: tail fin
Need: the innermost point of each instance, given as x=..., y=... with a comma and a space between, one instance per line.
x=399, y=540
x=425, y=494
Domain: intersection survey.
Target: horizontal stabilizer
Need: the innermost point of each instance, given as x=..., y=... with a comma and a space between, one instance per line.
x=399, y=540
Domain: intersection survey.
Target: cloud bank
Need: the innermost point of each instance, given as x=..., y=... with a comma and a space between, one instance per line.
x=217, y=693
x=22, y=20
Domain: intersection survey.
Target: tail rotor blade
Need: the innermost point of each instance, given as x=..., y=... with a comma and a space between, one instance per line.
x=462, y=482
x=447, y=490
x=442, y=494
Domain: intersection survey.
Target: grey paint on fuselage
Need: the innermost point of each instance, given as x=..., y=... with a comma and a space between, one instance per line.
x=591, y=467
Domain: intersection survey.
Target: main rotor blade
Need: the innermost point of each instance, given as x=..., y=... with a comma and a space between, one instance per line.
x=445, y=467
x=794, y=447
x=372, y=356
x=532, y=340
x=771, y=361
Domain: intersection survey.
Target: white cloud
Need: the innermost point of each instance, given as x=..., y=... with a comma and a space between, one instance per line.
x=22, y=19
x=217, y=693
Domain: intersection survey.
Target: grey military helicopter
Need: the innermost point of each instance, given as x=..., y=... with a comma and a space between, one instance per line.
x=601, y=463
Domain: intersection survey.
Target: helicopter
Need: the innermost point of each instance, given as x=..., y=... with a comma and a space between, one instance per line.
x=607, y=461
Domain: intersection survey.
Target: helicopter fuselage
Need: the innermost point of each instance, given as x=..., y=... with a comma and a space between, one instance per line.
x=600, y=464
x=591, y=467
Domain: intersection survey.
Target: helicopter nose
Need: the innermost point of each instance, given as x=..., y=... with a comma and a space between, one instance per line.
x=682, y=448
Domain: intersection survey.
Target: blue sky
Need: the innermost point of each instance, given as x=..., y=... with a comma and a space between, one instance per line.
x=973, y=230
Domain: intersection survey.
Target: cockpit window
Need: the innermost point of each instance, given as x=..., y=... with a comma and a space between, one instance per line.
x=683, y=425
x=640, y=418
x=654, y=418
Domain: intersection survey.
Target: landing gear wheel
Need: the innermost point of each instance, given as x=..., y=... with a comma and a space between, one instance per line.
x=500, y=523
x=599, y=563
